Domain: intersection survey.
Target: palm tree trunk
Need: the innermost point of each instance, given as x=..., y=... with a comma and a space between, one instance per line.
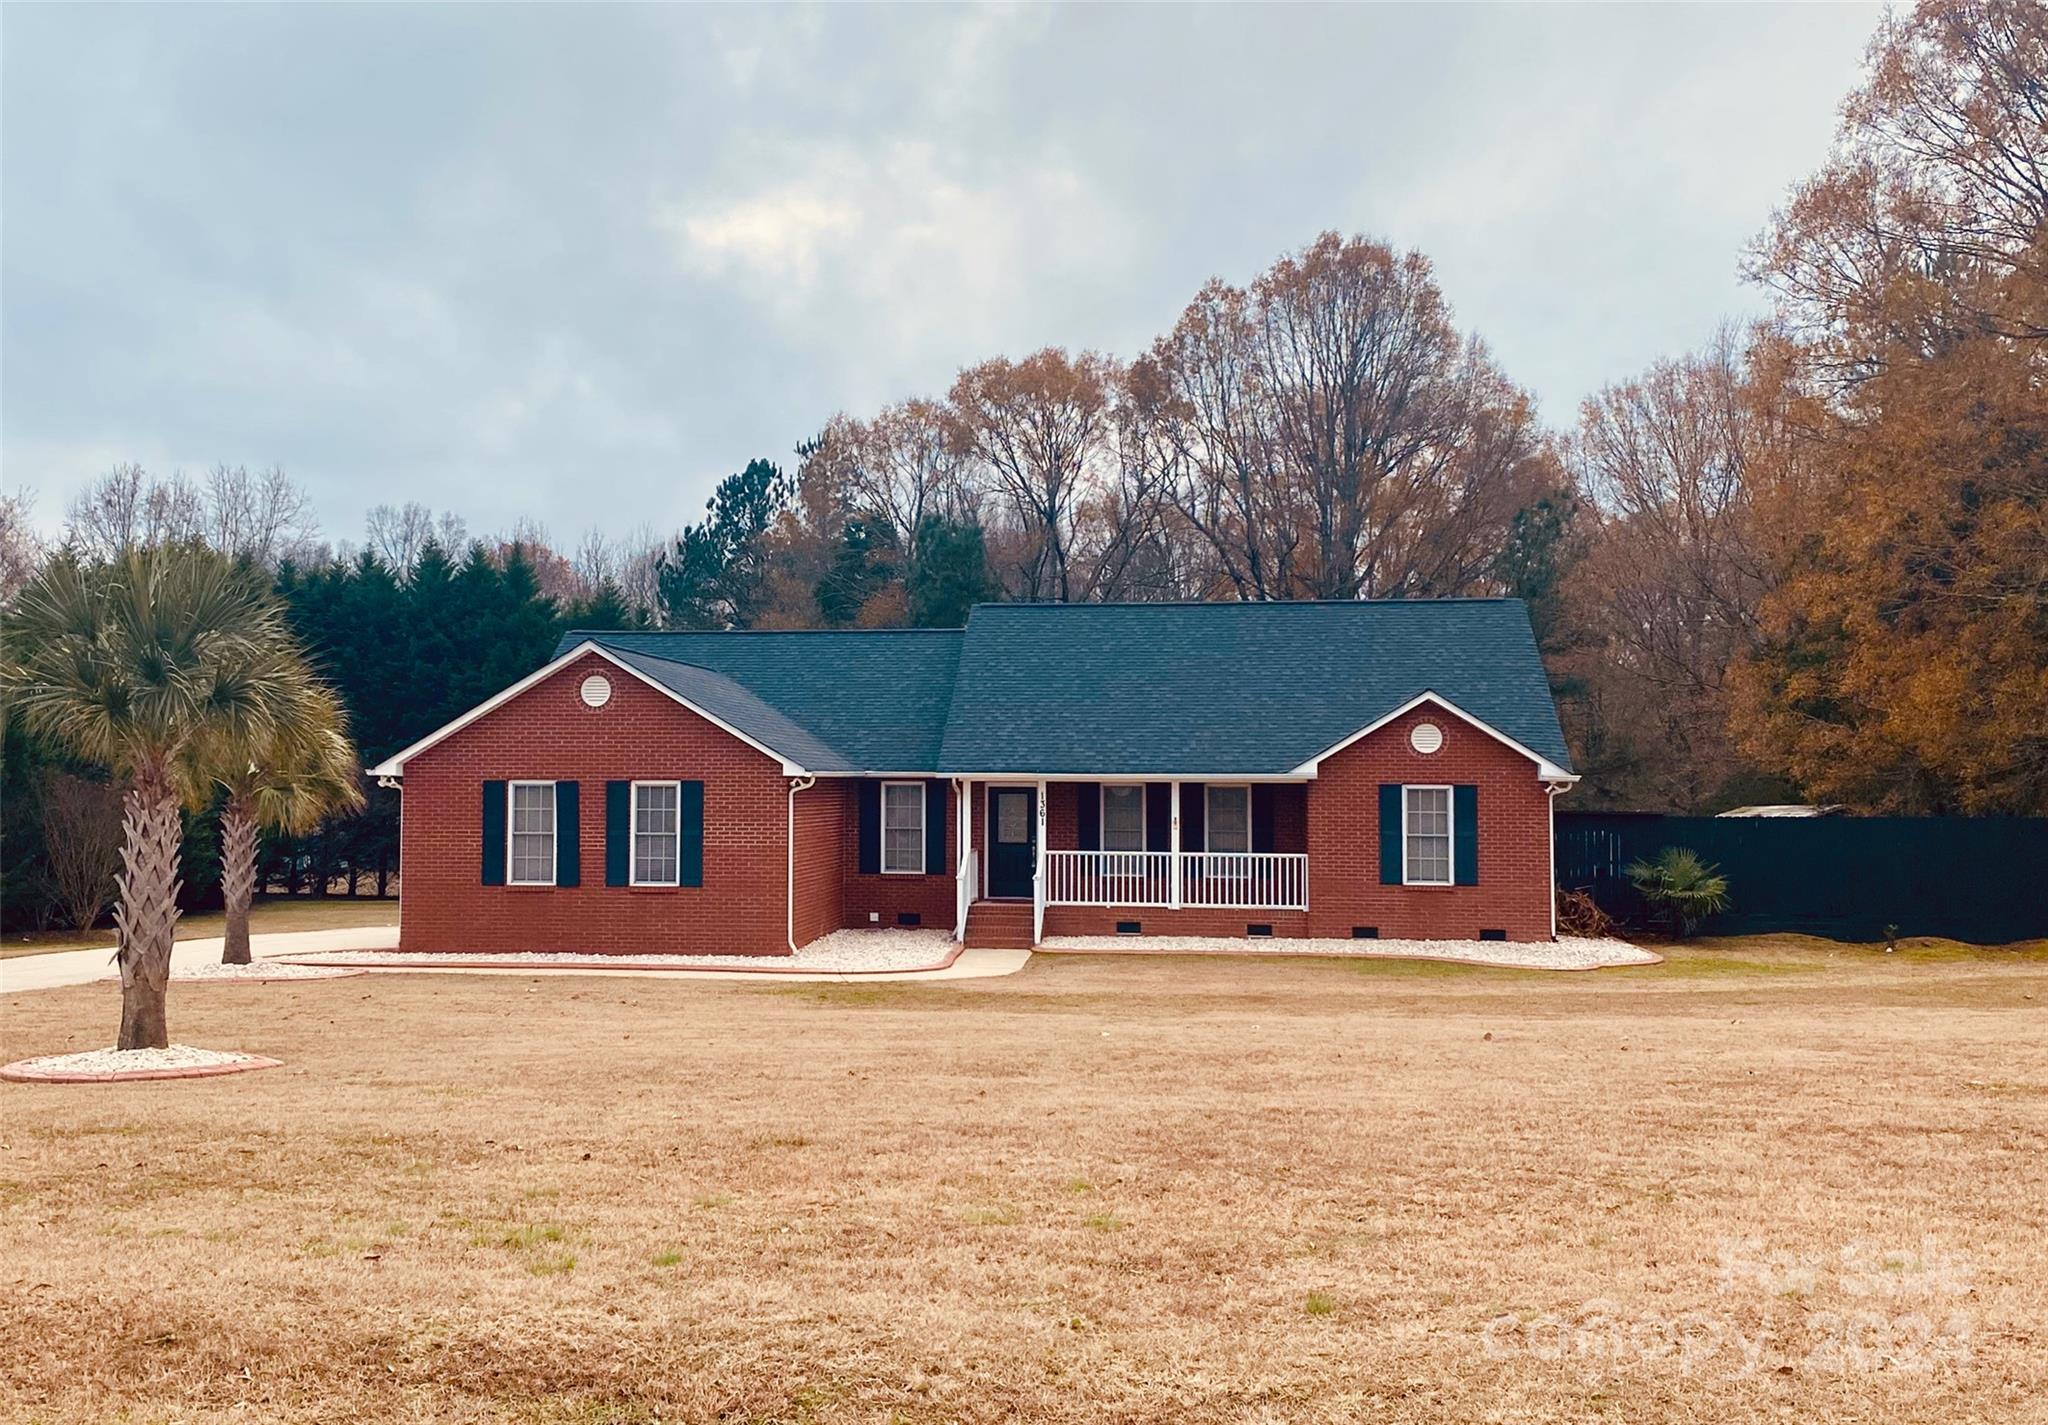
x=147, y=914
x=237, y=878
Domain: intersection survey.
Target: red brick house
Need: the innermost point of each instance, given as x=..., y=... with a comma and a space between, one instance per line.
x=1323, y=769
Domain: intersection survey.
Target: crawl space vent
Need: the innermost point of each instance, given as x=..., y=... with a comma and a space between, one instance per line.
x=1129, y=927
x=1365, y=932
x=1258, y=930
x=1493, y=935
x=909, y=917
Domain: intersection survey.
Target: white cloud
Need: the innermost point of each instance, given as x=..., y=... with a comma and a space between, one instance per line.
x=903, y=235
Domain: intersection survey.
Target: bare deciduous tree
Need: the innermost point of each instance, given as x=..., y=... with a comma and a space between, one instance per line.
x=82, y=841
x=1677, y=560
x=262, y=516
x=1040, y=429
x=901, y=466
x=1330, y=434
x=128, y=509
x=397, y=533
x=21, y=548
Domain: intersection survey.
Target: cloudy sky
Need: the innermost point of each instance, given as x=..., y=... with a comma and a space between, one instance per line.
x=575, y=264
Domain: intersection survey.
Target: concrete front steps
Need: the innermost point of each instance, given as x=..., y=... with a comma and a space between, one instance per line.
x=998, y=925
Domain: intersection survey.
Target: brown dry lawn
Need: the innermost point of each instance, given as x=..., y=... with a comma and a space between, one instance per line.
x=1767, y=1181
x=266, y=917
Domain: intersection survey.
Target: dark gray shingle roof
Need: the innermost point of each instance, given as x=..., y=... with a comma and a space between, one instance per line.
x=875, y=698
x=1230, y=688
x=734, y=706
x=1140, y=689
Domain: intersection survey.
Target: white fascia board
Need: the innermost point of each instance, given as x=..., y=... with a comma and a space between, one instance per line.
x=1546, y=770
x=394, y=765
x=1027, y=779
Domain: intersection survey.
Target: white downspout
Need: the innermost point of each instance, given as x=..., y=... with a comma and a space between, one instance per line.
x=796, y=784
x=1554, y=788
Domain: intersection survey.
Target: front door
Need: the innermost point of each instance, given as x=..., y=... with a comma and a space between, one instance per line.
x=1013, y=841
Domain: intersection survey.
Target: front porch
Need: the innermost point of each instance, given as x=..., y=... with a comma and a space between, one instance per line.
x=1083, y=856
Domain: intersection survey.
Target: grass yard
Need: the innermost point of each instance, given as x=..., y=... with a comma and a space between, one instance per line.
x=1766, y=1181
x=265, y=917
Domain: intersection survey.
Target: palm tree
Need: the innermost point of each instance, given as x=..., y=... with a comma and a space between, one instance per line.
x=305, y=773
x=136, y=665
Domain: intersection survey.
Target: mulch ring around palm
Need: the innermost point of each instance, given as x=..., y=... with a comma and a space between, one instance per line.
x=111, y=1066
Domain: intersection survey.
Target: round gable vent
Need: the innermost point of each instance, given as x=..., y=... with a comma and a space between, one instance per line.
x=1426, y=737
x=597, y=690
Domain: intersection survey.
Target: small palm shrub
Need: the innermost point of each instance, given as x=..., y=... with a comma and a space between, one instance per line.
x=1681, y=889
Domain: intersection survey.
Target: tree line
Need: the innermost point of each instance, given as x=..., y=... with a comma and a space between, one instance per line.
x=1808, y=561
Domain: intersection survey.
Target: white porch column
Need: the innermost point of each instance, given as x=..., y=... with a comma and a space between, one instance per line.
x=964, y=885
x=965, y=792
x=1173, y=850
x=1038, y=875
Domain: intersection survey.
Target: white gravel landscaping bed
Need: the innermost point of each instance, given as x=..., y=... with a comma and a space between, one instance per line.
x=1564, y=953
x=177, y=1061
x=261, y=970
x=842, y=952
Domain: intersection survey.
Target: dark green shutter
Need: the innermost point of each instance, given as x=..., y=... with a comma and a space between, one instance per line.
x=1194, y=807
x=1390, y=834
x=494, y=833
x=935, y=816
x=1158, y=816
x=618, y=833
x=1262, y=816
x=691, y=866
x=870, y=828
x=1465, y=835
x=1088, y=815
x=568, y=835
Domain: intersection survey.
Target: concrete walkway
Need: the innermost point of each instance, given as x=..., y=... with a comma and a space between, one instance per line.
x=82, y=967
x=968, y=965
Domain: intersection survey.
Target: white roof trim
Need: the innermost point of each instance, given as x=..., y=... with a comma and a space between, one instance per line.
x=393, y=766
x=1546, y=770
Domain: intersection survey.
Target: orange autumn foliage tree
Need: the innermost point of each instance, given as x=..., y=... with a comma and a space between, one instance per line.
x=1902, y=655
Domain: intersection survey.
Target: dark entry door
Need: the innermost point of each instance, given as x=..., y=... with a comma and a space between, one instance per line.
x=1013, y=841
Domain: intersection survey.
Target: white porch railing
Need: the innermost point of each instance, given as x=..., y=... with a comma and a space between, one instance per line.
x=967, y=884
x=1247, y=880
x=1108, y=877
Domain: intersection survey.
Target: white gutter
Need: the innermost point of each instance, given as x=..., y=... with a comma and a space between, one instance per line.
x=799, y=784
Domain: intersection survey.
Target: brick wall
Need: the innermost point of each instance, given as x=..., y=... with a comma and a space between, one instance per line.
x=547, y=734
x=929, y=897
x=1201, y=920
x=824, y=824
x=1335, y=818
x=1344, y=887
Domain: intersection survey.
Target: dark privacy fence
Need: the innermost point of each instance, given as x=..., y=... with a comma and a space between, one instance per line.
x=1980, y=879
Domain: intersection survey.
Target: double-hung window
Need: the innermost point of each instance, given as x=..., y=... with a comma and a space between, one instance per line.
x=1123, y=818
x=1230, y=819
x=657, y=833
x=532, y=831
x=903, y=828
x=1426, y=834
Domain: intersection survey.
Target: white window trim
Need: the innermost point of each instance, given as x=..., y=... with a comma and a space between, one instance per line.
x=1102, y=813
x=1450, y=833
x=923, y=823
x=512, y=823
x=633, y=835
x=1208, y=836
